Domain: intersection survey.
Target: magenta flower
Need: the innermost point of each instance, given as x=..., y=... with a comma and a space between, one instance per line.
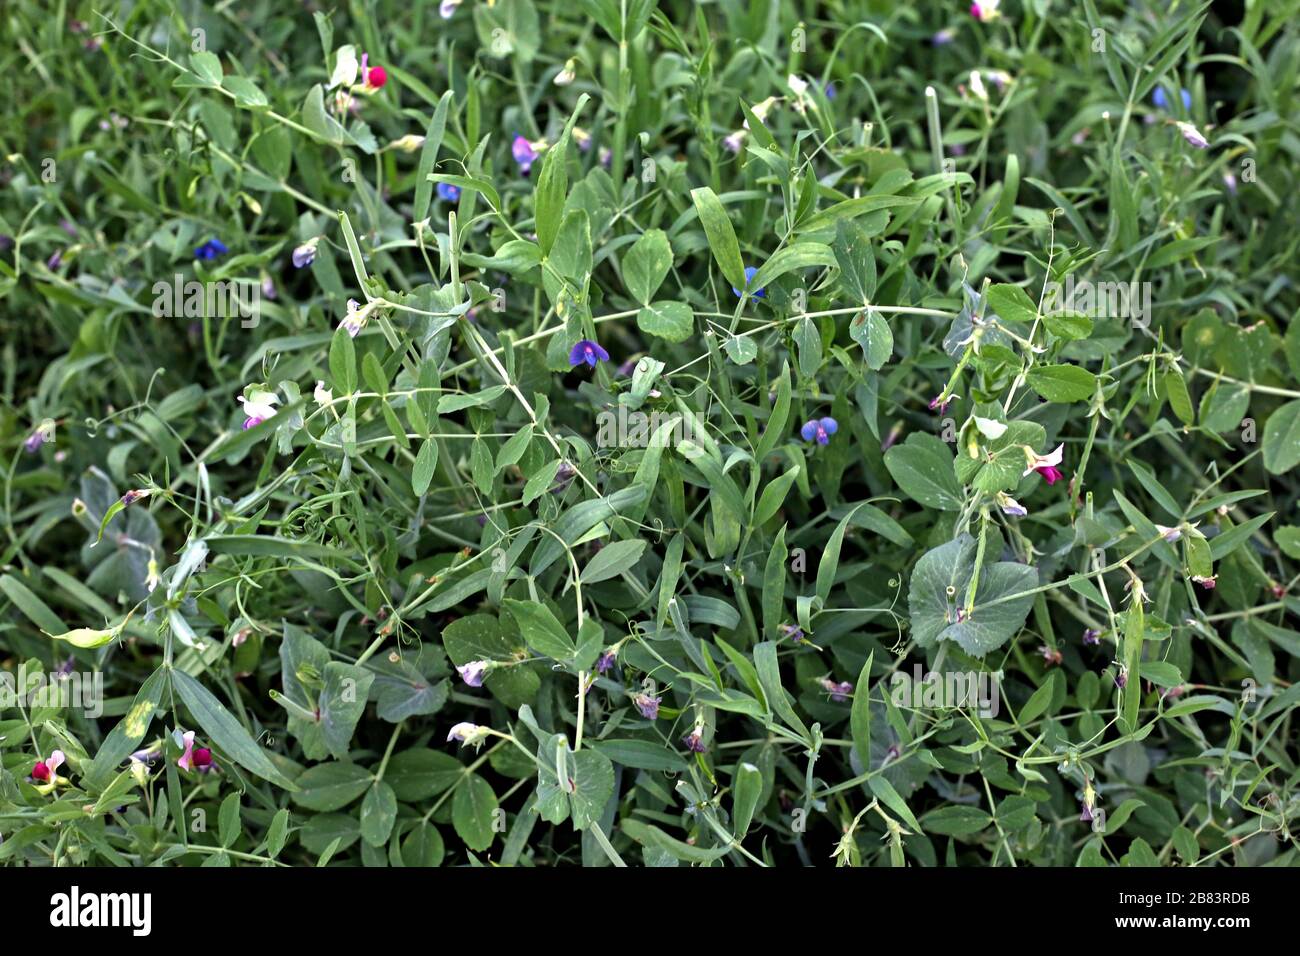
x=589, y=352
x=194, y=758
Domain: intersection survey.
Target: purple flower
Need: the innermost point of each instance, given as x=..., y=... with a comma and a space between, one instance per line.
x=819, y=428
x=210, y=250
x=649, y=706
x=589, y=352
x=794, y=632
x=1086, y=815
x=830, y=91
x=33, y=441
x=474, y=672
x=448, y=192
x=839, y=691
x=1161, y=99
x=693, y=743
x=54, y=261
x=524, y=154
x=1091, y=637
x=750, y=272
x=252, y=422
x=305, y=254
x=606, y=661
x=147, y=757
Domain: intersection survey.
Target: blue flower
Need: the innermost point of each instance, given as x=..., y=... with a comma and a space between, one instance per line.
x=589, y=352
x=448, y=192
x=1161, y=99
x=820, y=429
x=211, y=250
x=750, y=272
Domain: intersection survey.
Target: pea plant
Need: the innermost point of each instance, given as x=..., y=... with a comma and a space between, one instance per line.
x=645, y=433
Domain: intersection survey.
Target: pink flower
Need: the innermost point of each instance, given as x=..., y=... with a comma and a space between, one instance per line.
x=46, y=771
x=985, y=10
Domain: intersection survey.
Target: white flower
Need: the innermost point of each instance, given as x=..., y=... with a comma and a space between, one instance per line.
x=322, y=395
x=989, y=428
x=258, y=402
x=1192, y=135
x=977, y=85
x=468, y=734
x=1043, y=461
x=568, y=74
x=447, y=8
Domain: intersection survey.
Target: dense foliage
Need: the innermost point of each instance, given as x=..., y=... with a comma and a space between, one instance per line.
x=750, y=433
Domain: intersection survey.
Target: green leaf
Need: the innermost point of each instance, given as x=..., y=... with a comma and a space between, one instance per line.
x=747, y=787
x=125, y=737
x=612, y=560
x=378, y=814
x=429, y=158
x=228, y=824
x=226, y=732
x=331, y=786
x=938, y=590
x=860, y=714
x=1012, y=304
x=769, y=675
x=1068, y=325
x=1179, y=399
x=922, y=467
x=540, y=629
x=343, y=362
x=1062, y=383
x=207, y=67
x=856, y=261
x=33, y=608
x=473, y=812
x=646, y=264
x=426, y=462
x=670, y=321
x=721, y=235
x=870, y=330
x=1282, y=439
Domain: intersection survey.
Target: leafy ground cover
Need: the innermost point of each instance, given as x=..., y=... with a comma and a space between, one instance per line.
x=621, y=432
